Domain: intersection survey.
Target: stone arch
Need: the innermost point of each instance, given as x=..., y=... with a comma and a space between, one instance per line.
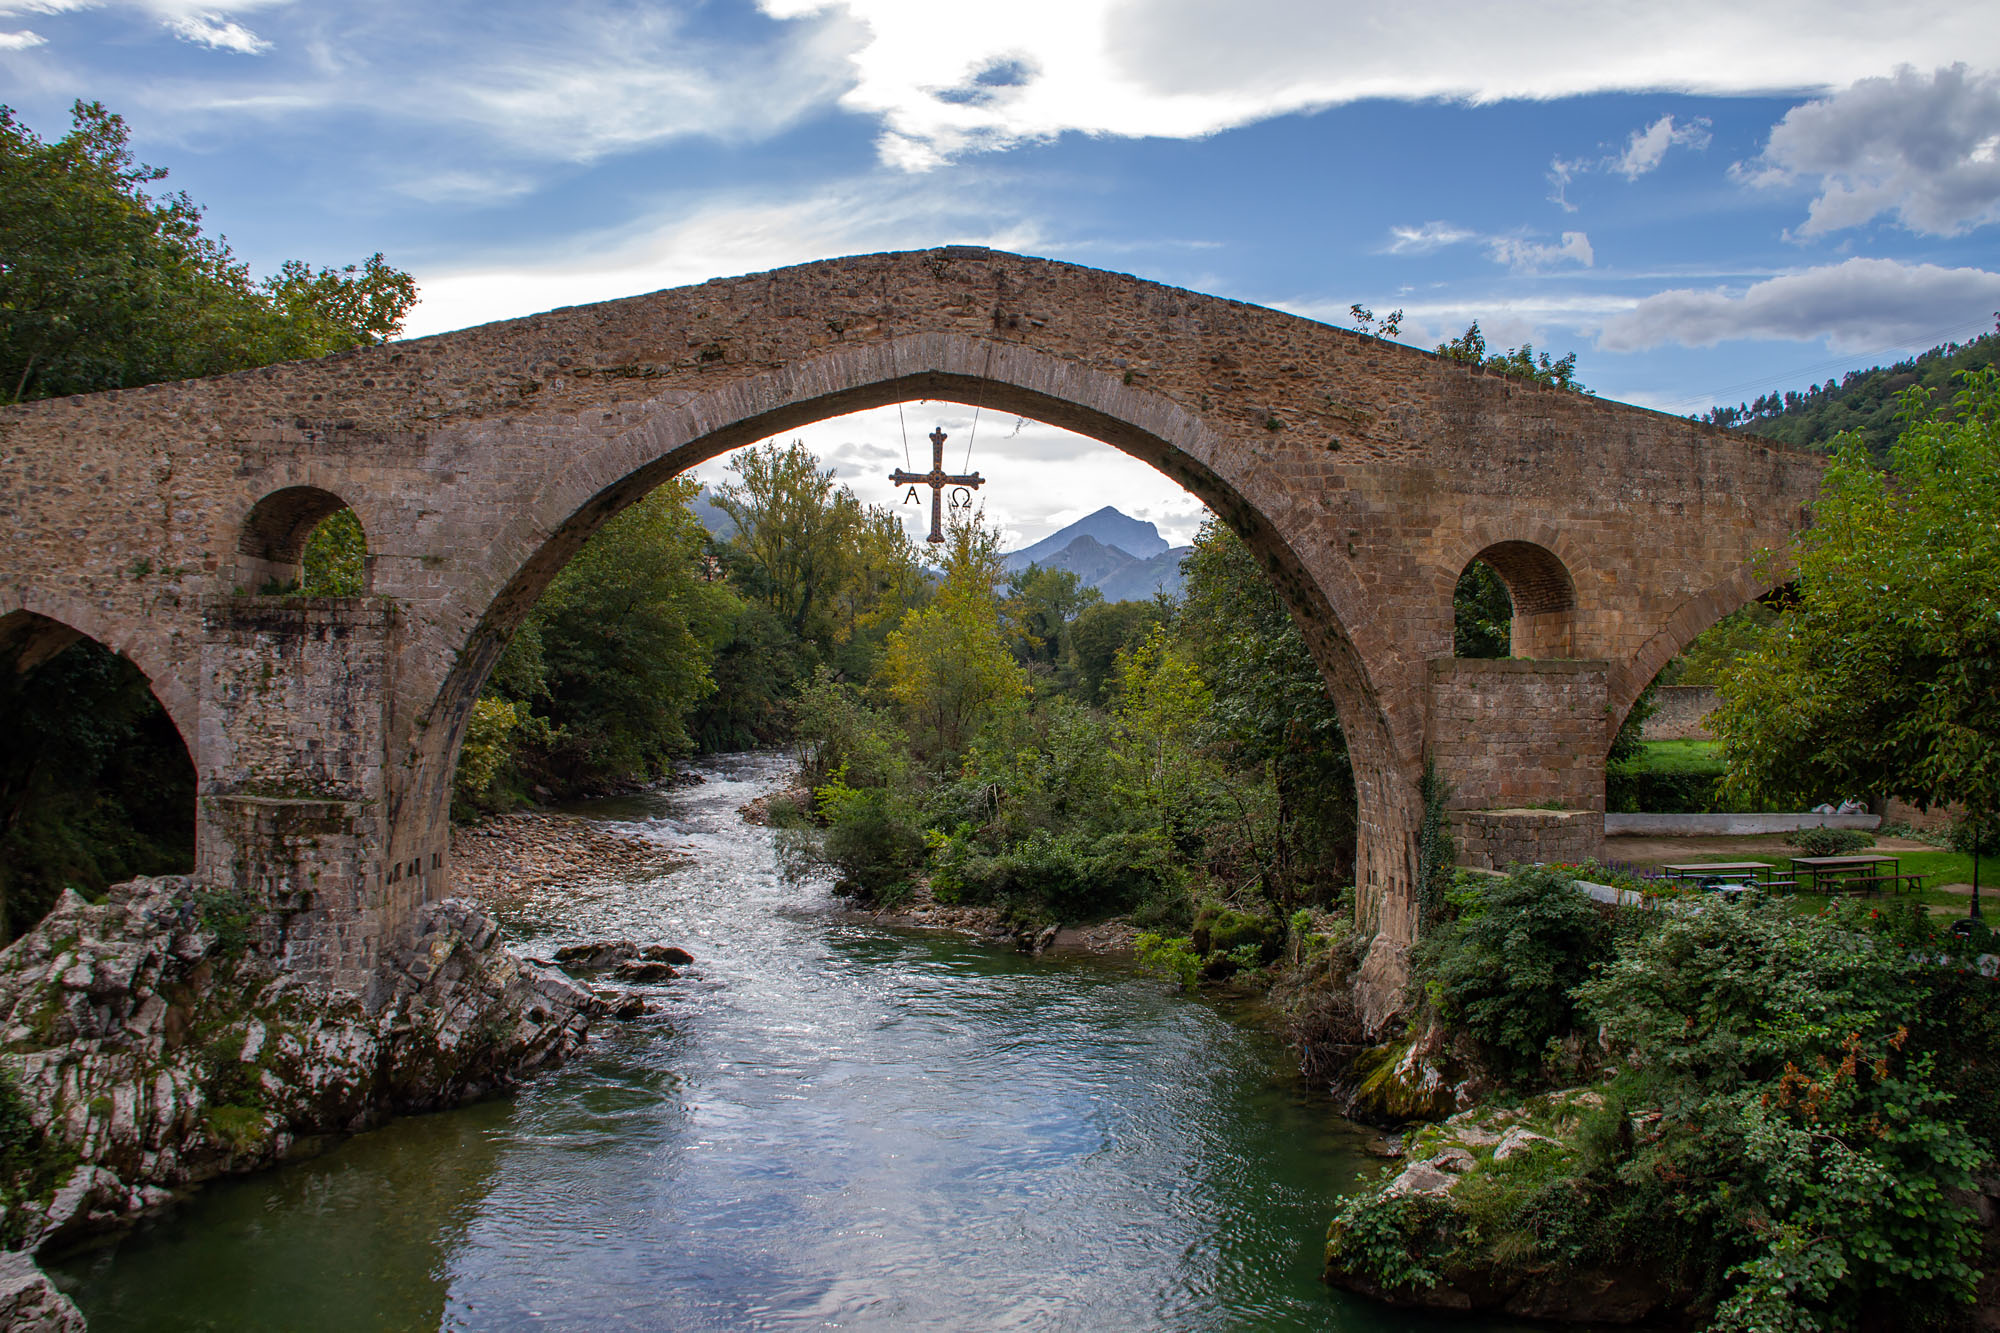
x=1543, y=590
x=1744, y=585
x=41, y=627
x=271, y=541
x=671, y=435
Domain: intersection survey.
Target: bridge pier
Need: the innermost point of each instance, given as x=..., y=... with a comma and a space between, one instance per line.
x=292, y=758
x=1521, y=745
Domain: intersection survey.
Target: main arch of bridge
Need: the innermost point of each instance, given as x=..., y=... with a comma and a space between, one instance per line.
x=1363, y=474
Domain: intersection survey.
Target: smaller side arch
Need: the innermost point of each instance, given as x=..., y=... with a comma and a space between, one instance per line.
x=1544, y=595
x=271, y=543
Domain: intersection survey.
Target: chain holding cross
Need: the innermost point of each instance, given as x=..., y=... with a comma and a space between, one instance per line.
x=937, y=479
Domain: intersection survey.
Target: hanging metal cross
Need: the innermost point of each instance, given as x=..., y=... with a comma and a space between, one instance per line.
x=937, y=479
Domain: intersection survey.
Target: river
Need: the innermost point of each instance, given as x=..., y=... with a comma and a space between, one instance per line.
x=825, y=1124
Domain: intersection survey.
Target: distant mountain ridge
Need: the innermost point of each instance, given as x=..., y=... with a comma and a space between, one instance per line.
x=1135, y=537
x=1124, y=558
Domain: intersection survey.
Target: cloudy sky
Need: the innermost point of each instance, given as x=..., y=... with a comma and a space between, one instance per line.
x=1704, y=201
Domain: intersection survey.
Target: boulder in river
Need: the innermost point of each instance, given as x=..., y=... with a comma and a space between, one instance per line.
x=598, y=956
x=641, y=971
x=666, y=953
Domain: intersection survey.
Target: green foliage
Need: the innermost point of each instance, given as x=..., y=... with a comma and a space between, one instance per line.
x=105, y=287
x=1269, y=709
x=1398, y=1241
x=1799, y=1127
x=1100, y=632
x=947, y=665
x=1830, y=841
x=872, y=841
x=1504, y=967
x=604, y=673
x=1790, y=1140
x=32, y=1165
x=487, y=747
x=336, y=558
x=1880, y=680
x=227, y=915
x=1437, y=853
x=1042, y=606
x=1470, y=348
x=1482, y=613
x=1169, y=956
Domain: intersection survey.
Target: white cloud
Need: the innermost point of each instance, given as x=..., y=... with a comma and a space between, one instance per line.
x=20, y=41
x=1518, y=252
x=203, y=22
x=1561, y=172
x=1925, y=148
x=1648, y=147
x=1856, y=305
x=1184, y=68
x=212, y=29
x=1526, y=256
x=1431, y=236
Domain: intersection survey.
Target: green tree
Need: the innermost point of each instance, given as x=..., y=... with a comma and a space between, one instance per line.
x=1881, y=679
x=104, y=287
x=947, y=666
x=1103, y=630
x=1271, y=711
x=616, y=654
x=1482, y=613
x=796, y=530
x=1042, y=605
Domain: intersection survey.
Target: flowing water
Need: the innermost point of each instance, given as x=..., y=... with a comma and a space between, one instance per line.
x=826, y=1124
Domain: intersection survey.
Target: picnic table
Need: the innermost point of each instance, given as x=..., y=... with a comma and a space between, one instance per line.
x=1862, y=872
x=1729, y=876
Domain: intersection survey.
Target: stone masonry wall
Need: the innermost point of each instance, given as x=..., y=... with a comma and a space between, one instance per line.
x=1496, y=839
x=293, y=758
x=1509, y=733
x=1681, y=714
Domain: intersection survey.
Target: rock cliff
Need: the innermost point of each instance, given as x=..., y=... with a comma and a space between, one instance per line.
x=146, y=1047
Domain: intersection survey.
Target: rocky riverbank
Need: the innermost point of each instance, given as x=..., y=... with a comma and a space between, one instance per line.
x=508, y=855
x=146, y=1048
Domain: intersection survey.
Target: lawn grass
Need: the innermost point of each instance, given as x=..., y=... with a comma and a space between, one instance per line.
x=1678, y=757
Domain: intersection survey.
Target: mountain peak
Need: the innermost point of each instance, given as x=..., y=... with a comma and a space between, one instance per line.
x=1107, y=526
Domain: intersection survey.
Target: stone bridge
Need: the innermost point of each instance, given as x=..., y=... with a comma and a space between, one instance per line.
x=1365, y=475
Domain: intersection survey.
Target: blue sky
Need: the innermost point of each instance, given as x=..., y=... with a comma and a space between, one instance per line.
x=1703, y=201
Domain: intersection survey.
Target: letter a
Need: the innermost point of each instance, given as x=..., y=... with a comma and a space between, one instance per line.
x=911, y=498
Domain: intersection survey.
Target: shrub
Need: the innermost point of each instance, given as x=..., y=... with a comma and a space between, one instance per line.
x=1830, y=841
x=1504, y=967
x=1802, y=1132
x=871, y=843
x=1226, y=931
